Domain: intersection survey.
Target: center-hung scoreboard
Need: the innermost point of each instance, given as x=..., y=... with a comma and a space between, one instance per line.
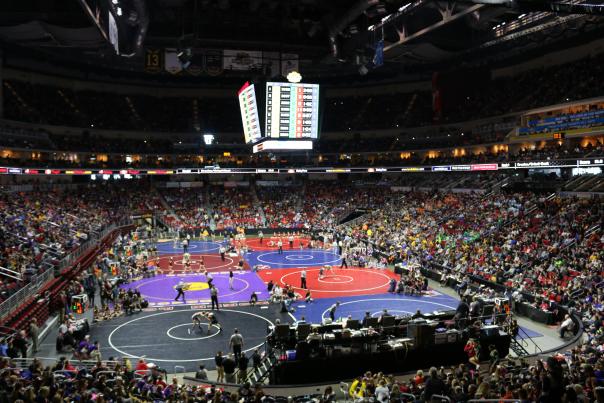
x=291, y=116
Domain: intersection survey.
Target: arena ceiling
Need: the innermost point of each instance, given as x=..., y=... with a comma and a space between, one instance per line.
x=331, y=36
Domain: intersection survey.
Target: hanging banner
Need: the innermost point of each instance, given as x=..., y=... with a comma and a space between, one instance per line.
x=241, y=59
x=196, y=62
x=153, y=62
x=171, y=63
x=213, y=62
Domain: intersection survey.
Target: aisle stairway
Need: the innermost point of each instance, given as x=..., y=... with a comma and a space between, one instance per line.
x=208, y=206
x=264, y=370
x=256, y=202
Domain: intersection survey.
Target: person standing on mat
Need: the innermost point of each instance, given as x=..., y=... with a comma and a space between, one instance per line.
x=291, y=241
x=236, y=344
x=222, y=251
x=209, y=278
x=261, y=236
x=230, y=279
x=332, y=311
x=214, y=297
x=185, y=245
x=280, y=247
x=180, y=287
x=344, y=262
x=303, y=279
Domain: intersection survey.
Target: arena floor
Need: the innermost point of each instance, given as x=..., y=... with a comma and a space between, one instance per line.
x=159, y=333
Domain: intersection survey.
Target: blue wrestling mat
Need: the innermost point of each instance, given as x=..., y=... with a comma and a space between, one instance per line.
x=293, y=258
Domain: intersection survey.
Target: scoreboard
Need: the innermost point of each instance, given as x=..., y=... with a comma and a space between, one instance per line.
x=292, y=111
x=249, y=113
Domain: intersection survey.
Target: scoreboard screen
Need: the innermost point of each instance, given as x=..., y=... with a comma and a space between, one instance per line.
x=292, y=111
x=249, y=113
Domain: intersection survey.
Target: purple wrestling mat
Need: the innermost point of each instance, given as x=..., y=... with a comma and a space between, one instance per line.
x=159, y=290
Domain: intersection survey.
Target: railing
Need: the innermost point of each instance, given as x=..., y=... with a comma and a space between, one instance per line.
x=527, y=337
x=22, y=363
x=39, y=280
x=86, y=246
x=25, y=293
x=495, y=400
x=441, y=398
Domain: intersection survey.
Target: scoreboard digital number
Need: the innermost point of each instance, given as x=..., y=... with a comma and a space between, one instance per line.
x=292, y=111
x=249, y=113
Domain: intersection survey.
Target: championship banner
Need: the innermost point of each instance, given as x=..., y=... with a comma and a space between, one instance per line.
x=241, y=59
x=196, y=62
x=171, y=62
x=153, y=62
x=213, y=62
x=289, y=63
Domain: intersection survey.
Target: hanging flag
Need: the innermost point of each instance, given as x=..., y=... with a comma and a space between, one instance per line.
x=378, y=57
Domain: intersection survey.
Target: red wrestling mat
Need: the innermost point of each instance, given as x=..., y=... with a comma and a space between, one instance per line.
x=212, y=262
x=340, y=283
x=270, y=243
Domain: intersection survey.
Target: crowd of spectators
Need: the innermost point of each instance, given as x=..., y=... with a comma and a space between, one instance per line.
x=39, y=228
x=544, y=245
x=189, y=206
x=282, y=206
x=233, y=207
x=547, y=247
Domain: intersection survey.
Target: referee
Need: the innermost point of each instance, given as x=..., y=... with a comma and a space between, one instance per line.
x=332, y=311
x=214, y=297
x=236, y=343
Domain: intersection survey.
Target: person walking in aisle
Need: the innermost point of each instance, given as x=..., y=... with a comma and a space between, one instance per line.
x=34, y=333
x=218, y=359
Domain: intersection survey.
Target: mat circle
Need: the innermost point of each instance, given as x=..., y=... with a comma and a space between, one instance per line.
x=276, y=259
x=152, y=359
x=350, y=279
x=191, y=338
x=395, y=300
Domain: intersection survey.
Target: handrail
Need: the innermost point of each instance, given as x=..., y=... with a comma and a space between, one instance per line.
x=39, y=280
x=79, y=364
x=9, y=275
x=529, y=338
x=442, y=398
